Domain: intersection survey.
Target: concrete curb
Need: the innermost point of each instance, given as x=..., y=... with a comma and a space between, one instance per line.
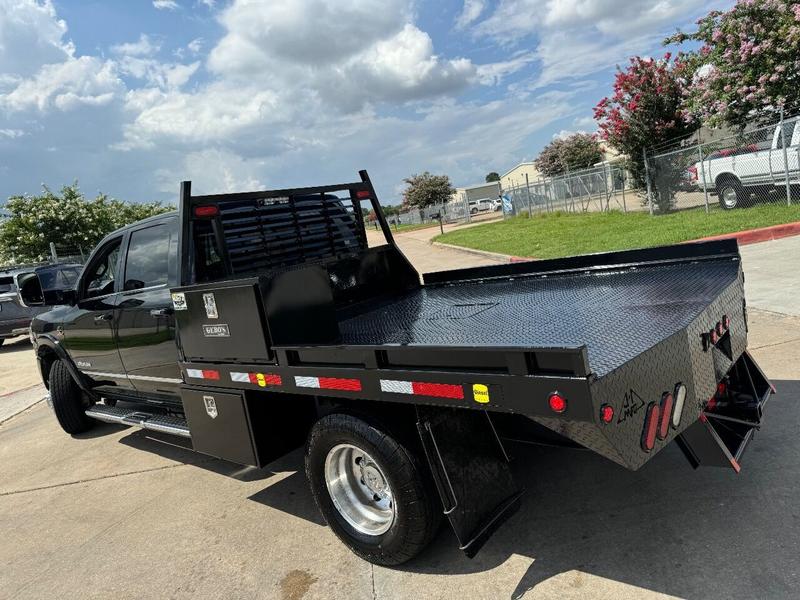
x=483, y=253
x=754, y=236
x=750, y=236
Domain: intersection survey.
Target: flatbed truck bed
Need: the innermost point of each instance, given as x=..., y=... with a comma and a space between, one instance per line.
x=292, y=329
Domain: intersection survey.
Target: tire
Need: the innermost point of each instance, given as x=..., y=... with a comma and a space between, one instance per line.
x=731, y=194
x=416, y=513
x=67, y=400
x=473, y=211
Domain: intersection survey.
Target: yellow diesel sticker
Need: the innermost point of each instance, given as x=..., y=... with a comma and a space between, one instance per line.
x=480, y=393
x=262, y=382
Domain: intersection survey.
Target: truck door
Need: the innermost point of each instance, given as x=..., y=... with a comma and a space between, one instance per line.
x=145, y=319
x=89, y=329
x=777, y=165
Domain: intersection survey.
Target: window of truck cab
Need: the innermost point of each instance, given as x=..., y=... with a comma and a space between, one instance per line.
x=101, y=273
x=151, y=258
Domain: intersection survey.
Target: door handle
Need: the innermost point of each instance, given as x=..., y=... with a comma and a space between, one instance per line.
x=103, y=317
x=161, y=312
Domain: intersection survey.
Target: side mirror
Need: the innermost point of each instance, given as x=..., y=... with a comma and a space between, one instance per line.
x=31, y=293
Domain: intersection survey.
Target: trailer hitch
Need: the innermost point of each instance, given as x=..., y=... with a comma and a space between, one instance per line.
x=471, y=471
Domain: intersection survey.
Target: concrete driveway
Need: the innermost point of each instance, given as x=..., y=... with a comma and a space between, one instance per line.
x=125, y=514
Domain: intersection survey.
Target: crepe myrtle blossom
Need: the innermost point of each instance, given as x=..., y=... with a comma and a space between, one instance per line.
x=646, y=109
x=754, y=50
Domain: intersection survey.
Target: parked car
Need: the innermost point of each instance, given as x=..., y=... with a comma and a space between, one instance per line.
x=15, y=316
x=736, y=174
x=257, y=322
x=482, y=205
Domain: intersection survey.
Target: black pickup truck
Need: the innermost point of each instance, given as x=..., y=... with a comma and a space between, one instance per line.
x=254, y=323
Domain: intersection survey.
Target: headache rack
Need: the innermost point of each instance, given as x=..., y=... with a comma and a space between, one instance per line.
x=242, y=234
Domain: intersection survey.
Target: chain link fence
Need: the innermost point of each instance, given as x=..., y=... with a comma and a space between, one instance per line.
x=759, y=165
x=602, y=188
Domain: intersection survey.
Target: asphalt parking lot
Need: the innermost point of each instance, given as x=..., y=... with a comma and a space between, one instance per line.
x=128, y=514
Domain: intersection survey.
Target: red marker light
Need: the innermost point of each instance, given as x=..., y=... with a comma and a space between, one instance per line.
x=206, y=211
x=667, y=402
x=606, y=413
x=557, y=402
x=210, y=374
x=361, y=194
x=650, y=427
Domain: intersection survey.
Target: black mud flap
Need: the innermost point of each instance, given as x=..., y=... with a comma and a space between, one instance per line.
x=730, y=418
x=471, y=471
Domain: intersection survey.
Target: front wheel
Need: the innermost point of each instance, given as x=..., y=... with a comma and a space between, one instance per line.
x=68, y=401
x=371, y=490
x=731, y=194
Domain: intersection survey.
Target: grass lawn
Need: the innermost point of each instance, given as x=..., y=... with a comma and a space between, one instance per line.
x=563, y=234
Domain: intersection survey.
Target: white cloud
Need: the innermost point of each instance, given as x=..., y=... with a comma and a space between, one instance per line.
x=575, y=38
x=217, y=113
x=84, y=80
x=214, y=171
x=195, y=45
x=494, y=73
x=144, y=46
x=471, y=10
x=31, y=34
x=11, y=133
x=165, y=5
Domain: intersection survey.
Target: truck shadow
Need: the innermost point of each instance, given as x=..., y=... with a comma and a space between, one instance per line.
x=14, y=345
x=705, y=533
x=289, y=494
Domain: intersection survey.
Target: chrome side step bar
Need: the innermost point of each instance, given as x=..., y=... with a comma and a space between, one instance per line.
x=138, y=418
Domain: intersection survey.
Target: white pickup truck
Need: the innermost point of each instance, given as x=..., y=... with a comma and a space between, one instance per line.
x=742, y=175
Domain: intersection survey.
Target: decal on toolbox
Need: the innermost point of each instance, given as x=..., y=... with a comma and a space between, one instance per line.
x=211, y=306
x=220, y=330
x=480, y=393
x=420, y=388
x=179, y=301
x=329, y=383
x=211, y=406
x=259, y=379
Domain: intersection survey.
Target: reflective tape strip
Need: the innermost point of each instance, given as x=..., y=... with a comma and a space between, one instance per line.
x=340, y=383
x=241, y=377
x=259, y=379
x=329, y=383
x=309, y=382
x=420, y=388
x=202, y=374
x=396, y=387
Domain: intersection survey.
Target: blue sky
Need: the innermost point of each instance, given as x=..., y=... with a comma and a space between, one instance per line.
x=131, y=97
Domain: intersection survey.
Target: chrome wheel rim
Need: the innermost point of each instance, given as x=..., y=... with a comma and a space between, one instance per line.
x=729, y=197
x=359, y=489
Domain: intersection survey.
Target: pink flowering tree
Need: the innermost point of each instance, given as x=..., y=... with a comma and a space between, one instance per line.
x=748, y=62
x=647, y=110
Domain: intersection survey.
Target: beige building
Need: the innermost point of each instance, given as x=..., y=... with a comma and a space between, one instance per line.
x=516, y=176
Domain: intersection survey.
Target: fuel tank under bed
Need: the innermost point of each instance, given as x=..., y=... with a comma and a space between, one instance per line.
x=616, y=314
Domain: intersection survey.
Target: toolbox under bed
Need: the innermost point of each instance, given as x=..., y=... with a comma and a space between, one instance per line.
x=616, y=314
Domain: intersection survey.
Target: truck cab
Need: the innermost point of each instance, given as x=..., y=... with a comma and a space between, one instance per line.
x=760, y=167
x=118, y=331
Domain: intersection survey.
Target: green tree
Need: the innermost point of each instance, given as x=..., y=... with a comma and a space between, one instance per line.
x=427, y=189
x=66, y=218
x=646, y=110
x=747, y=62
x=578, y=151
x=493, y=176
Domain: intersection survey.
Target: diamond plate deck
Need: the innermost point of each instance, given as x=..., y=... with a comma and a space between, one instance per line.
x=616, y=314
